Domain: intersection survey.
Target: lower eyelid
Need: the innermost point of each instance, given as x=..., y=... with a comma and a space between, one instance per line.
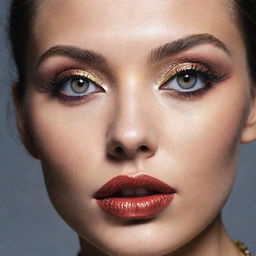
x=190, y=95
x=75, y=100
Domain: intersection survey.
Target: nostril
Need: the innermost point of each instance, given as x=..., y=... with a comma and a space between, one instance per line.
x=119, y=150
x=144, y=148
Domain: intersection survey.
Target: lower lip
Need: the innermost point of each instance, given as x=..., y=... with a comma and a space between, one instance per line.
x=136, y=207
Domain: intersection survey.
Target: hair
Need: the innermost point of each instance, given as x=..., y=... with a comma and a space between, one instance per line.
x=23, y=13
x=246, y=15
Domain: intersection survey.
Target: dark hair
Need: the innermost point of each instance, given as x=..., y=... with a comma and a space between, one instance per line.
x=246, y=14
x=20, y=24
x=22, y=13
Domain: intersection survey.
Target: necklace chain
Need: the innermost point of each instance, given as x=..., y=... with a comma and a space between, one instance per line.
x=243, y=248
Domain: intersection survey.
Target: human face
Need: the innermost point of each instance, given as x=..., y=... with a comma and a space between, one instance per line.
x=190, y=143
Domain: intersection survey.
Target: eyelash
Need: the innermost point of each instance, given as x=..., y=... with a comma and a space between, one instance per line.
x=56, y=84
x=206, y=73
x=209, y=76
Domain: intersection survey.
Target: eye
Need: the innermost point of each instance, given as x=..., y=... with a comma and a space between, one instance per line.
x=189, y=80
x=74, y=85
x=79, y=86
x=186, y=81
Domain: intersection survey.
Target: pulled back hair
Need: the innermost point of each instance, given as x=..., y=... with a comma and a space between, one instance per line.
x=23, y=13
x=246, y=16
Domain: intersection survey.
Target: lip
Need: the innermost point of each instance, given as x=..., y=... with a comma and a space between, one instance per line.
x=134, y=207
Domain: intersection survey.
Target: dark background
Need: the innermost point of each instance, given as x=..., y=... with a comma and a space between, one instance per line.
x=30, y=226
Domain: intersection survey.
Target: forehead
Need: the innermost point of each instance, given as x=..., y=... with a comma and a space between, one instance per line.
x=104, y=25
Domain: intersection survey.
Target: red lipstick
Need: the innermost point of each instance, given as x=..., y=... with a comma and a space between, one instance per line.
x=137, y=197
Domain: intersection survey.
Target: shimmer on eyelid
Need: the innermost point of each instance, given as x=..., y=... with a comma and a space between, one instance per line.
x=169, y=72
x=87, y=74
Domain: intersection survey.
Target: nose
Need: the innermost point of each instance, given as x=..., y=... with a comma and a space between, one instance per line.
x=132, y=133
x=130, y=143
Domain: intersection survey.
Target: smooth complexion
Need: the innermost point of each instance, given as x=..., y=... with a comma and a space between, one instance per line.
x=191, y=143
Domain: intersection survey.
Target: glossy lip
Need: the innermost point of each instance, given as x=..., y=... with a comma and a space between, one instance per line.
x=134, y=207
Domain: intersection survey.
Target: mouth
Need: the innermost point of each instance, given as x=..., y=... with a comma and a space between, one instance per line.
x=139, y=197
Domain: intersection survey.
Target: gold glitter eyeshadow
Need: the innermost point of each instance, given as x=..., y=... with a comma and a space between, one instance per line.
x=175, y=69
x=87, y=74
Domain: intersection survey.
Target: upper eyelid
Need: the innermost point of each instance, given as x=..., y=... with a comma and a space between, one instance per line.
x=56, y=80
x=95, y=78
x=102, y=81
x=84, y=73
x=166, y=73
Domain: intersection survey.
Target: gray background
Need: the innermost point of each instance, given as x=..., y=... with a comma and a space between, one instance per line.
x=29, y=225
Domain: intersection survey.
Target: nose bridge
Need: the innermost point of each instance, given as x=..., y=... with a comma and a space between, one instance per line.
x=131, y=131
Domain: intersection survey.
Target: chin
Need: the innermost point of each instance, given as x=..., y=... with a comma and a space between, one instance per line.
x=147, y=243
x=134, y=249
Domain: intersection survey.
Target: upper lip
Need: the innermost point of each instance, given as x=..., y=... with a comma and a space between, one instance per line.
x=124, y=182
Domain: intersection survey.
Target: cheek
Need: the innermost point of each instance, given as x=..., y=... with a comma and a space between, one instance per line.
x=70, y=143
x=64, y=133
x=209, y=129
x=204, y=143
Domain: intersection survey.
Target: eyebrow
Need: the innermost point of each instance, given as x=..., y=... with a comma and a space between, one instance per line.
x=84, y=55
x=186, y=43
x=157, y=54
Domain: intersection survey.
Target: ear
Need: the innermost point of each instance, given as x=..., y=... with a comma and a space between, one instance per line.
x=23, y=129
x=249, y=130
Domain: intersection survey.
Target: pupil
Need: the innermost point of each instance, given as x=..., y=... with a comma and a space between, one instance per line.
x=187, y=81
x=80, y=82
x=187, y=78
x=79, y=85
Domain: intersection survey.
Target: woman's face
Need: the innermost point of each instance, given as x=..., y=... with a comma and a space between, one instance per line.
x=186, y=103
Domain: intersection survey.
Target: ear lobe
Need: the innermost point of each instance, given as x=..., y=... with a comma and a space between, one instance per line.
x=25, y=135
x=249, y=131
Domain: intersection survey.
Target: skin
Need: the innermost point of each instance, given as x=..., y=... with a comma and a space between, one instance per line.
x=191, y=144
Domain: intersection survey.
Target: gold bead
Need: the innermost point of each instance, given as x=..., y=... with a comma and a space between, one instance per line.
x=243, y=248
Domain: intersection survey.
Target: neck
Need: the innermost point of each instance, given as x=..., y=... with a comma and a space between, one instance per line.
x=213, y=241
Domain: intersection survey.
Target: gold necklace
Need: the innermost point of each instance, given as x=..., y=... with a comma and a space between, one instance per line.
x=243, y=248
